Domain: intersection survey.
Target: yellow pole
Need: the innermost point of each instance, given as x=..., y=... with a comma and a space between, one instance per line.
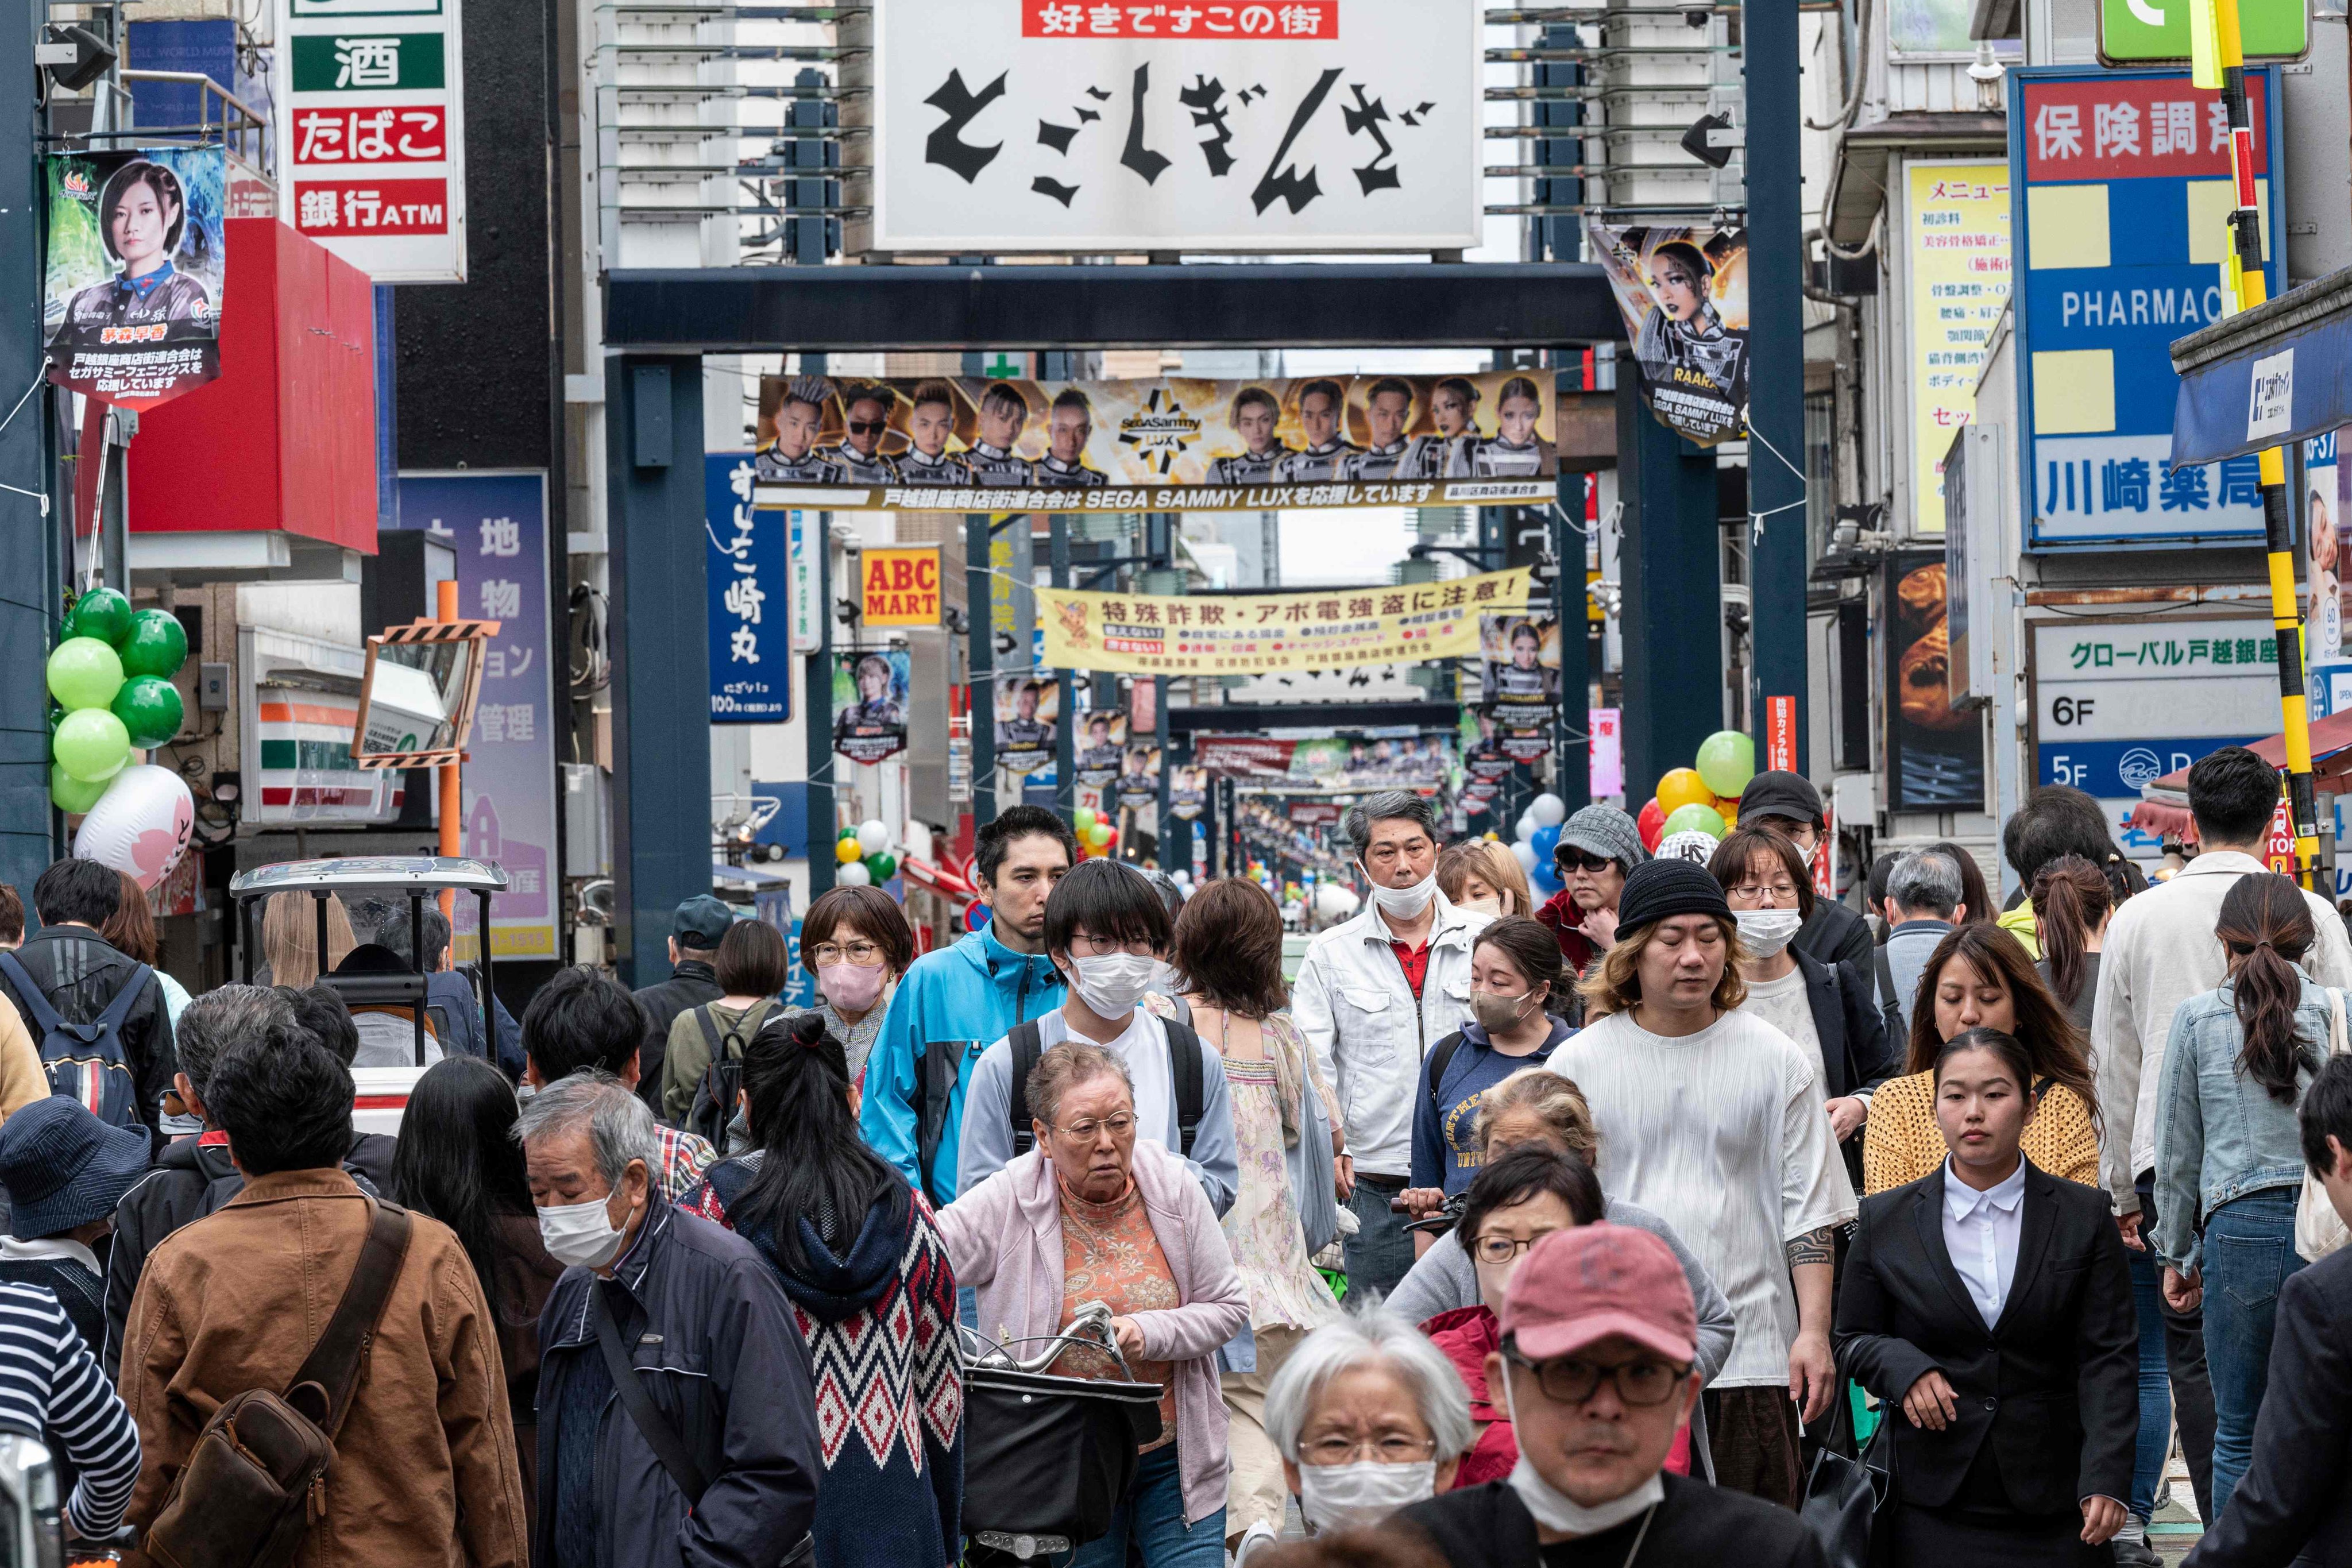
x=450, y=792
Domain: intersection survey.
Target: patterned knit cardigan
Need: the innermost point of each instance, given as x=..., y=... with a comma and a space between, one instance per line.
x=887, y=1376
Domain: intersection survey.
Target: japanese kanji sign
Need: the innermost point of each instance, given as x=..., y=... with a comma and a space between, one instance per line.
x=1028, y=125
x=372, y=155
x=136, y=265
x=744, y=578
x=1151, y=635
x=1958, y=224
x=2120, y=189
x=899, y=586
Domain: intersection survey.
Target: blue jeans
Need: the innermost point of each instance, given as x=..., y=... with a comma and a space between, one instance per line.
x=2155, y=1384
x=1153, y=1515
x=1381, y=1252
x=2249, y=1253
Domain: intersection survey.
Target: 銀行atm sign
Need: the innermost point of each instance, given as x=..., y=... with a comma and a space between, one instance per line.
x=899, y=587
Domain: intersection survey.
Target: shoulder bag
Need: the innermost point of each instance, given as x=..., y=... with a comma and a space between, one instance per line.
x=2317, y=1229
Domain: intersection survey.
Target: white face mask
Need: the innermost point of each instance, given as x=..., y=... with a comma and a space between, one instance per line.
x=182, y=1126
x=1405, y=903
x=1556, y=1511
x=580, y=1235
x=1112, y=983
x=1764, y=932
x=1351, y=1495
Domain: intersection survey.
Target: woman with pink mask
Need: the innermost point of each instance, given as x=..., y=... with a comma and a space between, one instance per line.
x=857, y=943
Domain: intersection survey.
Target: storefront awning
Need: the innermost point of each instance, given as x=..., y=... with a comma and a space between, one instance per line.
x=2163, y=808
x=2279, y=373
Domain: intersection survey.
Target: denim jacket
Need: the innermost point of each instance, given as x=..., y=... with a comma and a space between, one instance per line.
x=2220, y=1135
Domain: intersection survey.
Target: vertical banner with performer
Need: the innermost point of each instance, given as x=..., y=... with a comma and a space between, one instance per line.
x=1101, y=746
x=136, y=267
x=1684, y=294
x=869, y=704
x=1027, y=703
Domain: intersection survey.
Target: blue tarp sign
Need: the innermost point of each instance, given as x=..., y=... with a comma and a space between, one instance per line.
x=2289, y=389
x=745, y=574
x=2121, y=185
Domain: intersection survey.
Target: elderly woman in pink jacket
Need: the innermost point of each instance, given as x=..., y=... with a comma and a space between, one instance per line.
x=1092, y=1214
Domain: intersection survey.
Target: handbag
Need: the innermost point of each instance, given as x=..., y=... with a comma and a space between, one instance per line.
x=2318, y=1230
x=256, y=1480
x=1843, y=1498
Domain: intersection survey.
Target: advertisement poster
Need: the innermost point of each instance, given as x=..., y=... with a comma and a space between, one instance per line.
x=1188, y=794
x=1935, y=754
x=1055, y=125
x=1403, y=759
x=967, y=444
x=1489, y=759
x=371, y=153
x=1145, y=634
x=1959, y=284
x=1521, y=655
x=1101, y=746
x=869, y=704
x=1027, y=703
x=497, y=524
x=899, y=585
x=2322, y=631
x=1684, y=294
x=1139, y=779
x=1607, y=752
x=136, y=268
x=744, y=574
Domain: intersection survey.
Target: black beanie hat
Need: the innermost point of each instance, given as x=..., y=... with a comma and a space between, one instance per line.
x=1658, y=888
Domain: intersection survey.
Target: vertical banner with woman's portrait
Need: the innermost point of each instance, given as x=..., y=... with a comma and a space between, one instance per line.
x=1684, y=295
x=1521, y=660
x=869, y=704
x=136, y=261
x=1027, y=703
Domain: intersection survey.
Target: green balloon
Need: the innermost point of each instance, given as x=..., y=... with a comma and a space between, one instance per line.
x=150, y=709
x=1694, y=819
x=882, y=867
x=157, y=643
x=103, y=614
x=84, y=673
x=72, y=796
x=1726, y=760
x=92, y=744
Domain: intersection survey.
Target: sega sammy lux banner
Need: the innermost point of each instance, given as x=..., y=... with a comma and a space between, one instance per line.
x=965, y=444
x=1684, y=295
x=136, y=261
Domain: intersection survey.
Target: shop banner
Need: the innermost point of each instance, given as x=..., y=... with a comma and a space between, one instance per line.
x=1403, y=759
x=1179, y=444
x=1958, y=223
x=869, y=704
x=497, y=524
x=899, y=586
x=1063, y=126
x=136, y=267
x=2323, y=635
x=1242, y=633
x=750, y=664
x=1607, y=752
x=1027, y=703
x=1684, y=295
x=1242, y=756
x=1935, y=753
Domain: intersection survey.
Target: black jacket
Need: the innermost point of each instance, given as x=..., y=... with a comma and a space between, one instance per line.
x=1856, y=1052
x=1834, y=934
x=690, y=985
x=2053, y=1385
x=80, y=972
x=1695, y=1523
x=188, y=1181
x=2296, y=1497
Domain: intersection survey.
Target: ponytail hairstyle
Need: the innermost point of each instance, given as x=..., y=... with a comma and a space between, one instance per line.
x=2267, y=928
x=2071, y=898
x=817, y=1180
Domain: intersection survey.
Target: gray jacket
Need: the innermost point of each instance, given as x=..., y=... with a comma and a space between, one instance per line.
x=2220, y=1135
x=1908, y=948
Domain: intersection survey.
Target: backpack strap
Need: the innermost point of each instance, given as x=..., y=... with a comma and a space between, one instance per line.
x=118, y=1012
x=655, y=1427
x=323, y=1385
x=45, y=1017
x=710, y=1035
x=1441, y=1057
x=1188, y=1066
x=1028, y=1045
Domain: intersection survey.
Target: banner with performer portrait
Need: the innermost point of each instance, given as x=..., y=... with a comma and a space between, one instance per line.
x=869, y=704
x=1176, y=444
x=1684, y=294
x=1188, y=794
x=136, y=265
x=1101, y=745
x=1027, y=703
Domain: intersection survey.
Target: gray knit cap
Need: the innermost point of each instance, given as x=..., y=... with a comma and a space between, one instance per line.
x=1604, y=830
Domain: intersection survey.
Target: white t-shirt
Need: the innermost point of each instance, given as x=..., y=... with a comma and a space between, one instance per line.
x=1722, y=1135
x=1783, y=1003
x=1144, y=1049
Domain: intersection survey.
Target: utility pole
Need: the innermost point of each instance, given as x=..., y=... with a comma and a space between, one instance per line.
x=1776, y=368
x=979, y=613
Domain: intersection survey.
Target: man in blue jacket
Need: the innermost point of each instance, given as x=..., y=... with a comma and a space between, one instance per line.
x=958, y=1001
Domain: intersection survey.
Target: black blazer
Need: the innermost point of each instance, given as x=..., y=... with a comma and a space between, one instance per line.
x=2297, y=1496
x=1856, y=1050
x=2054, y=1386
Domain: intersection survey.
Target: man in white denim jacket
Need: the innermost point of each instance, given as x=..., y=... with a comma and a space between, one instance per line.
x=1373, y=994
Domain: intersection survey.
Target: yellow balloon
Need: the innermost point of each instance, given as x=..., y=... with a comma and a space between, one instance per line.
x=1681, y=788
x=845, y=849
x=1729, y=810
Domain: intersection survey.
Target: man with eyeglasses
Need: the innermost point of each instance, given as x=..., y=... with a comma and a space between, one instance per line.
x=1790, y=805
x=1597, y=850
x=1598, y=1335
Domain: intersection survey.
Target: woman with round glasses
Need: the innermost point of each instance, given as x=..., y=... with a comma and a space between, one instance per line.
x=856, y=941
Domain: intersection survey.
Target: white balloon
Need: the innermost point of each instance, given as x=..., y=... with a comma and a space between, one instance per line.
x=1525, y=829
x=871, y=837
x=141, y=825
x=1525, y=853
x=853, y=874
x=1335, y=901
x=1548, y=810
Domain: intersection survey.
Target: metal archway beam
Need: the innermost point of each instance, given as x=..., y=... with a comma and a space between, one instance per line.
x=772, y=309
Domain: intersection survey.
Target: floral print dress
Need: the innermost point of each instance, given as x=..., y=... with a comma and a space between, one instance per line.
x=1263, y=1228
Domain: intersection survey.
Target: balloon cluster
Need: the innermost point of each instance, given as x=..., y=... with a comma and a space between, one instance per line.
x=863, y=856
x=1704, y=799
x=1096, y=835
x=1538, y=835
x=111, y=677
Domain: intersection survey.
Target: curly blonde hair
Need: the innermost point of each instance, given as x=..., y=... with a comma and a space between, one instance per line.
x=1552, y=1099
x=1616, y=983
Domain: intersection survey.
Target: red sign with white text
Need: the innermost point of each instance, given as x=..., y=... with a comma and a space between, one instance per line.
x=379, y=135
x=372, y=206
x=2279, y=853
x=1266, y=20
x=1781, y=734
x=2128, y=127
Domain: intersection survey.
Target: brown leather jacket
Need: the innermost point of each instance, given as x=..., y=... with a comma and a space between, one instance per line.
x=236, y=1301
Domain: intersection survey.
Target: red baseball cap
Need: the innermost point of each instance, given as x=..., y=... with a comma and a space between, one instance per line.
x=1578, y=1287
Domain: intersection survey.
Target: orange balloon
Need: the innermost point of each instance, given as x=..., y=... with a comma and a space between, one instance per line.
x=1681, y=788
x=1729, y=810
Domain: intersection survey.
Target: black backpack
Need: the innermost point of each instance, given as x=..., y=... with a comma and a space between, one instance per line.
x=1185, y=1060
x=85, y=1061
x=721, y=1086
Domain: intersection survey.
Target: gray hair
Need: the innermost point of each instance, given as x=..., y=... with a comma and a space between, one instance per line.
x=1066, y=1066
x=221, y=1017
x=1389, y=805
x=619, y=1126
x=1926, y=881
x=1363, y=1336
x=396, y=928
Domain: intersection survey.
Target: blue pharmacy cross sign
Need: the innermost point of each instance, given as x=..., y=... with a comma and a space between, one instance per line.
x=2121, y=185
x=745, y=575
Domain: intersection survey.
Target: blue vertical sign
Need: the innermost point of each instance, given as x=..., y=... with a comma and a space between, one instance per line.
x=2122, y=188
x=746, y=577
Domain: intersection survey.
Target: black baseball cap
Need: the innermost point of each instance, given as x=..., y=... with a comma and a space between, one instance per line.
x=701, y=922
x=1779, y=792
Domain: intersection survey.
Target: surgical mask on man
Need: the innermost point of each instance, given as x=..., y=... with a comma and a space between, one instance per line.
x=1404, y=903
x=1556, y=1511
x=1764, y=932
x=1112, y=983
x=580, y=1235
x=182, y=1126
x=1350, y=1497
x=1500, y=1015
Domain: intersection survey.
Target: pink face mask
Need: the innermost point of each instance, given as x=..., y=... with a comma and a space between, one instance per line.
x=851, y=987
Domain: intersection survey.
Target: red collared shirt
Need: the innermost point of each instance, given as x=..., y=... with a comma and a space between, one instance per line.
x=1414, y=961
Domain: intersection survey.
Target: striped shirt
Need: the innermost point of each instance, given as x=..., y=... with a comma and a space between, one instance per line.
x=51, y=1389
